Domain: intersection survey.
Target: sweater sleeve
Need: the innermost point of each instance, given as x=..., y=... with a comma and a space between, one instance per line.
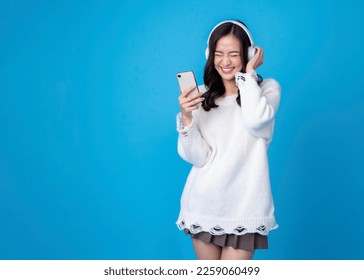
x=191, y=145
x=259, y=104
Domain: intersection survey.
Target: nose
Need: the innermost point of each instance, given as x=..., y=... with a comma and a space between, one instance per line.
x=225, y=60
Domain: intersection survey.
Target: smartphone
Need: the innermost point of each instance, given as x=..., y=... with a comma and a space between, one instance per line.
x=187, y=79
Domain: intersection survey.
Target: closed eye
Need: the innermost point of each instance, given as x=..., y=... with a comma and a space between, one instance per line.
x=232, y=54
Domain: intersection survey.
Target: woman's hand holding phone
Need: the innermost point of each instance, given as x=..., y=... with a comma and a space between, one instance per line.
x=188, y=103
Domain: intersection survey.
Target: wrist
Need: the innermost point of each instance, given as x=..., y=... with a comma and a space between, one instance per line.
x=184, y=127
x=252, y=73
x=248, y=70
x=186, y=116
x=185, y=120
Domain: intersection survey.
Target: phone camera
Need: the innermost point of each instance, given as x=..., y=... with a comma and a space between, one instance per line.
x=179, y=76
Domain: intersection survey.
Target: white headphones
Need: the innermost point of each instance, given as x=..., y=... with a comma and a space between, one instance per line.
x=251, y=49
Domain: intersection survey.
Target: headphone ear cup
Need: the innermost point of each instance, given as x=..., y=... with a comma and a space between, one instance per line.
x=207, y=53
x=251, y=52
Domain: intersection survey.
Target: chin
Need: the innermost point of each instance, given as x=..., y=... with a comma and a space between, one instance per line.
x=227, y=77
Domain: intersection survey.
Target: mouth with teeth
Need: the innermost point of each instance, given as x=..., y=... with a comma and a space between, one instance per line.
x=227, y=70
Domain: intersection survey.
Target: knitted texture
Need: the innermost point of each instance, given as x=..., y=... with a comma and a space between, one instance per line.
x=228, y=188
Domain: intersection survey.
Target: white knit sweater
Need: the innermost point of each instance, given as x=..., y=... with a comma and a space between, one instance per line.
x=228, y=188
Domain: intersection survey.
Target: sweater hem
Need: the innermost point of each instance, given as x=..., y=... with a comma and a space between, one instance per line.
x=219, y=226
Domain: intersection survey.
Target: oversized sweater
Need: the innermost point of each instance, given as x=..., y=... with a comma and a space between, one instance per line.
x=228, y=188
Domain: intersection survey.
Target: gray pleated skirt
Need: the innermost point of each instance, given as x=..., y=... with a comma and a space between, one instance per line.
x=248, y=241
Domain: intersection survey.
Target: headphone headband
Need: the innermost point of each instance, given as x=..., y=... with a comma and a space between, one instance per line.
x=236, y=23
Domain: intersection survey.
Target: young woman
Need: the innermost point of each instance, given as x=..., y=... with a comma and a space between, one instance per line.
x=227, y=205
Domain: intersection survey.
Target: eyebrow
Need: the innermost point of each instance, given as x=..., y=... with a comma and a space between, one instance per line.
x=228, y=52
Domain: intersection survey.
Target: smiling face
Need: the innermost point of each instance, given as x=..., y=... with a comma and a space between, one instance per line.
x=228, y=59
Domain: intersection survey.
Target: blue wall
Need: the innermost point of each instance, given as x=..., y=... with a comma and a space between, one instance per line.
x=88, y=96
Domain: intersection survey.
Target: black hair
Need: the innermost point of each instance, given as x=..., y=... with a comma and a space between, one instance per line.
x=212, y=78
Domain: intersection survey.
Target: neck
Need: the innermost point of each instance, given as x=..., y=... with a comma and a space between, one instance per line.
x=230, y=88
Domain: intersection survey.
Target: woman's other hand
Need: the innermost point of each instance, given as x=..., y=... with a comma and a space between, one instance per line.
x=256, y=60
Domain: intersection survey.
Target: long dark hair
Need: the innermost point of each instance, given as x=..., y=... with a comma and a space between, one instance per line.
x=212, y=78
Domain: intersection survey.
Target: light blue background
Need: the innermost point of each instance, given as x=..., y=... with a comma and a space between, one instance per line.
x=88, y=159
